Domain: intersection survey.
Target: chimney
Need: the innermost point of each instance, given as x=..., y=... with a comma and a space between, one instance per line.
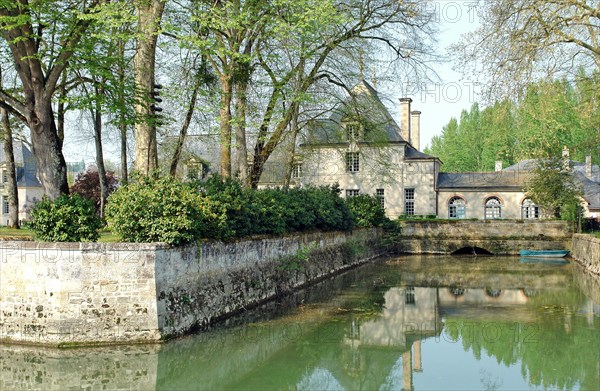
x=405, y=118
x=566, y=158
x=417, y=365
x=588, y=167
x=415, y=138
x=498, y=166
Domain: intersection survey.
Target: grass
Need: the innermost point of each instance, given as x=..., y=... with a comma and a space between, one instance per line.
x=108, y=237
x=105, y=236
x=11, y=232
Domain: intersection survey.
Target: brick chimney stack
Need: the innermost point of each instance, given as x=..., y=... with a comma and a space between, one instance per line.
x=405, y=118
x=415, y=137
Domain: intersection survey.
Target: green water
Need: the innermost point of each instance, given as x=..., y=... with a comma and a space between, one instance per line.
x=422, y=323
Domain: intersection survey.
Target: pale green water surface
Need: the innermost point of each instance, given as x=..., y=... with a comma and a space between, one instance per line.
x=422, y=323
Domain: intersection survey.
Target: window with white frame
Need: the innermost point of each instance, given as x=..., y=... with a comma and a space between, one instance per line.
x=456, y=208
x=352, y=131
x=352, y=161
x=5, y=205
x=297, y=171
x=529, y=210
x=380, y=194
x=352, y=193
x=4, y=175
x=409, y=201
x=493, y=208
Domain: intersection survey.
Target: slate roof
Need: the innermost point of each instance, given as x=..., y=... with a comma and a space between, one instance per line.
x=590, y=187
x=363, y=106
x=481, y=180
x=25, y=162
x=412, y=153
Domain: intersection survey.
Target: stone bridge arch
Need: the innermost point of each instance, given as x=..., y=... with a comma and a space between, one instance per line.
x=471, y=250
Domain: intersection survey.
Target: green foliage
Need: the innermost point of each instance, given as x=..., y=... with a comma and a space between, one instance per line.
x=550, y=115
x=367, y=211
x=296, y=262
x=66, y=219
x=164, y=210
x=175, y=212
x=276, y=211
x=552, y=187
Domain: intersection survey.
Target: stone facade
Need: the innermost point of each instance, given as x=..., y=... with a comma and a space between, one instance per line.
x=101, y=293
x=361, y=148
x=29, y=188
x=500, y=237
x=586, y=250
x=381, y=167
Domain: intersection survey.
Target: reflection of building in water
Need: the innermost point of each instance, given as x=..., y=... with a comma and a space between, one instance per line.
x=410, y=315
x=450, y=296
x=407, y=311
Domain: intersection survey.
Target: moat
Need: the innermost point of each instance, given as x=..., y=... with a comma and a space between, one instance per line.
x=411, y=322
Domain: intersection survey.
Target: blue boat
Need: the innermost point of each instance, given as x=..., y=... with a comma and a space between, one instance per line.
x=545, y=261
x=543, y=253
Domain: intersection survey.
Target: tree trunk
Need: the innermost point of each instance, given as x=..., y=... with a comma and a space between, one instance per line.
x=47, y=149
x=184, y=128
x=225, y=125
x=263, y=151
x=292, y=150
x=122, y=113
x=100, y=154
x=60, y=110
x=240, y=131
x=13, y=193
x=39, y=82
x=146, y=152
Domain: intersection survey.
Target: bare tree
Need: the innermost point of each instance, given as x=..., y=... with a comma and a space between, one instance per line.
x=519, y=41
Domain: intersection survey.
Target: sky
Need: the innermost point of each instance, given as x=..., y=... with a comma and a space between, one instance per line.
x=438, y=102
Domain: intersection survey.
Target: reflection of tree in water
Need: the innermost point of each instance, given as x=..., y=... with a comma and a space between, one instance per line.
x=560, y=350
x=489, y=383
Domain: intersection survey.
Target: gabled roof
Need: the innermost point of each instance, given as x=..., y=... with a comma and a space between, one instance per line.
x=364, y=107
x=25, y=163
x=590, y=188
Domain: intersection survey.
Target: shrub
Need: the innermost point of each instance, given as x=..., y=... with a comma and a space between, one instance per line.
x=331, y=212
x=87, y=185
x=367, y=211
x=66, y=219
x=164, y=210
x=240, y=212
x=275, y=211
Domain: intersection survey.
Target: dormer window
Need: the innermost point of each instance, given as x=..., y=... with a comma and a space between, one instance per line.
x=353, y=131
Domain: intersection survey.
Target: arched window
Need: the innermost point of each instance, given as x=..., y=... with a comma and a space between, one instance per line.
x=529, y=210
x=456, y=208
x=493, y=208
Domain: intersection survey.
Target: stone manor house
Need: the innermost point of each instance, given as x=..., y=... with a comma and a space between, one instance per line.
x=29, y=188
x=364, y=150
x=371, y=154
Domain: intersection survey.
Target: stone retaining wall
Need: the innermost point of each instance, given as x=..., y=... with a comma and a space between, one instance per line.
x=586, y=250
x=98, y=293
x=500, y=237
